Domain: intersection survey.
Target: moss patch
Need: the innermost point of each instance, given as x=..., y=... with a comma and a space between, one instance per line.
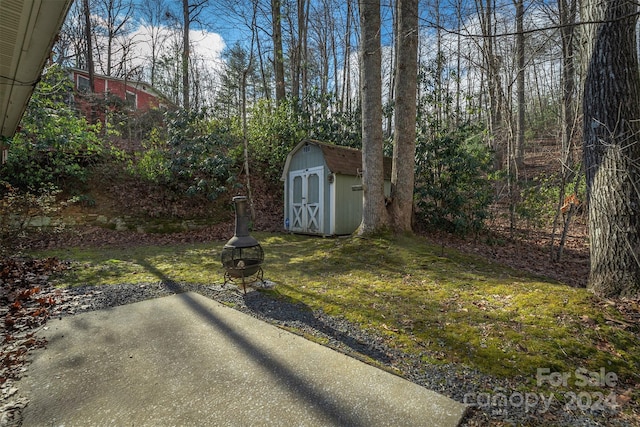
x=439, y=304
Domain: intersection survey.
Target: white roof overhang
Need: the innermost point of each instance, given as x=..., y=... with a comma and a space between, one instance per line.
x=28, y=29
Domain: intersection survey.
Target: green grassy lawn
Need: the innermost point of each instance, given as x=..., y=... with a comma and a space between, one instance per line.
x=440, y=304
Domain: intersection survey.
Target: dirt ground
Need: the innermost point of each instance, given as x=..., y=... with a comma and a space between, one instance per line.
x=524, y=250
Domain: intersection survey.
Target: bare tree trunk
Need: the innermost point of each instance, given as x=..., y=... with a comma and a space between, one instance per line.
x=374, y=213
x=323, y=28
x=458, y=62
x=492, y=66
x=388, y=130
x=115, y=16
x=519, y=142
x=87, y=34
x=185, y=54
x=245, y=140
x=263, y=74
x=110, y=40
x=567, y=11
x=90, y=66
x=439, y=64
x=196, y=88
x=324, y=74
x=404, y=141
x=153, y=12
x=278, y=55
x=245, y=133
x=568, y=218
x=303, y=24
x=612, y=152
x=294, y=56
x=334, y=52
x=590, y=11
x=346, y=73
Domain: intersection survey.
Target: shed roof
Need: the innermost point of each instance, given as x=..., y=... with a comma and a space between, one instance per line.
x=340, y=159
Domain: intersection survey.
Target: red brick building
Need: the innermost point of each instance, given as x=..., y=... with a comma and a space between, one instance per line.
x=139, y=96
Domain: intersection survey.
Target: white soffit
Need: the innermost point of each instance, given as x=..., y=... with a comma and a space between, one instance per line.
x=28, y=29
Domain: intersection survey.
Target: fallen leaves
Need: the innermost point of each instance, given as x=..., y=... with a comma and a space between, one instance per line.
x=26, y=300
x=629, y=309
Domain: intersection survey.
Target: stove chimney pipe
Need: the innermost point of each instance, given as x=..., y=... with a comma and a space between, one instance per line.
x=241, y=237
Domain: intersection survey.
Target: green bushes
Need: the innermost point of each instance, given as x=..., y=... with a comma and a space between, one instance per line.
x=152, y=162
x=198, y=153
x=57, y=146
x=272, y=133
x=453, y=189
x=192, y=157
x=324, y=120
x=54, y=145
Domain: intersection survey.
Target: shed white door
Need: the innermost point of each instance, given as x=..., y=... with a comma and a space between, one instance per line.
x=306, y=189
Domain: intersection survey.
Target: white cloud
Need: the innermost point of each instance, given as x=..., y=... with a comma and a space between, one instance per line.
x=206, y=47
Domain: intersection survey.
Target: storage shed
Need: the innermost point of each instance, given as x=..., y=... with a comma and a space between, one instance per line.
x=322, y=188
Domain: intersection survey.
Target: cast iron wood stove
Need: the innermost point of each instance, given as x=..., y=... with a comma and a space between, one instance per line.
x=242, y=255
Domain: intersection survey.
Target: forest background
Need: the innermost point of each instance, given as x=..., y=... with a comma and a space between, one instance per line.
x=499, y=82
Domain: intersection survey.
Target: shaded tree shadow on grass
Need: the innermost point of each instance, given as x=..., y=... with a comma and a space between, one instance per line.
x=296, y=315
x=167, y=282
x=340, y=334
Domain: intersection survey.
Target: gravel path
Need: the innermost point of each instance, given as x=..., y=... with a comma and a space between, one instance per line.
x=457, y=382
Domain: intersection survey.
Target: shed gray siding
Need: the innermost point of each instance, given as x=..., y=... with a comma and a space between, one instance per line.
x=347, y=204
x=307, y=157
x=339, y=211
